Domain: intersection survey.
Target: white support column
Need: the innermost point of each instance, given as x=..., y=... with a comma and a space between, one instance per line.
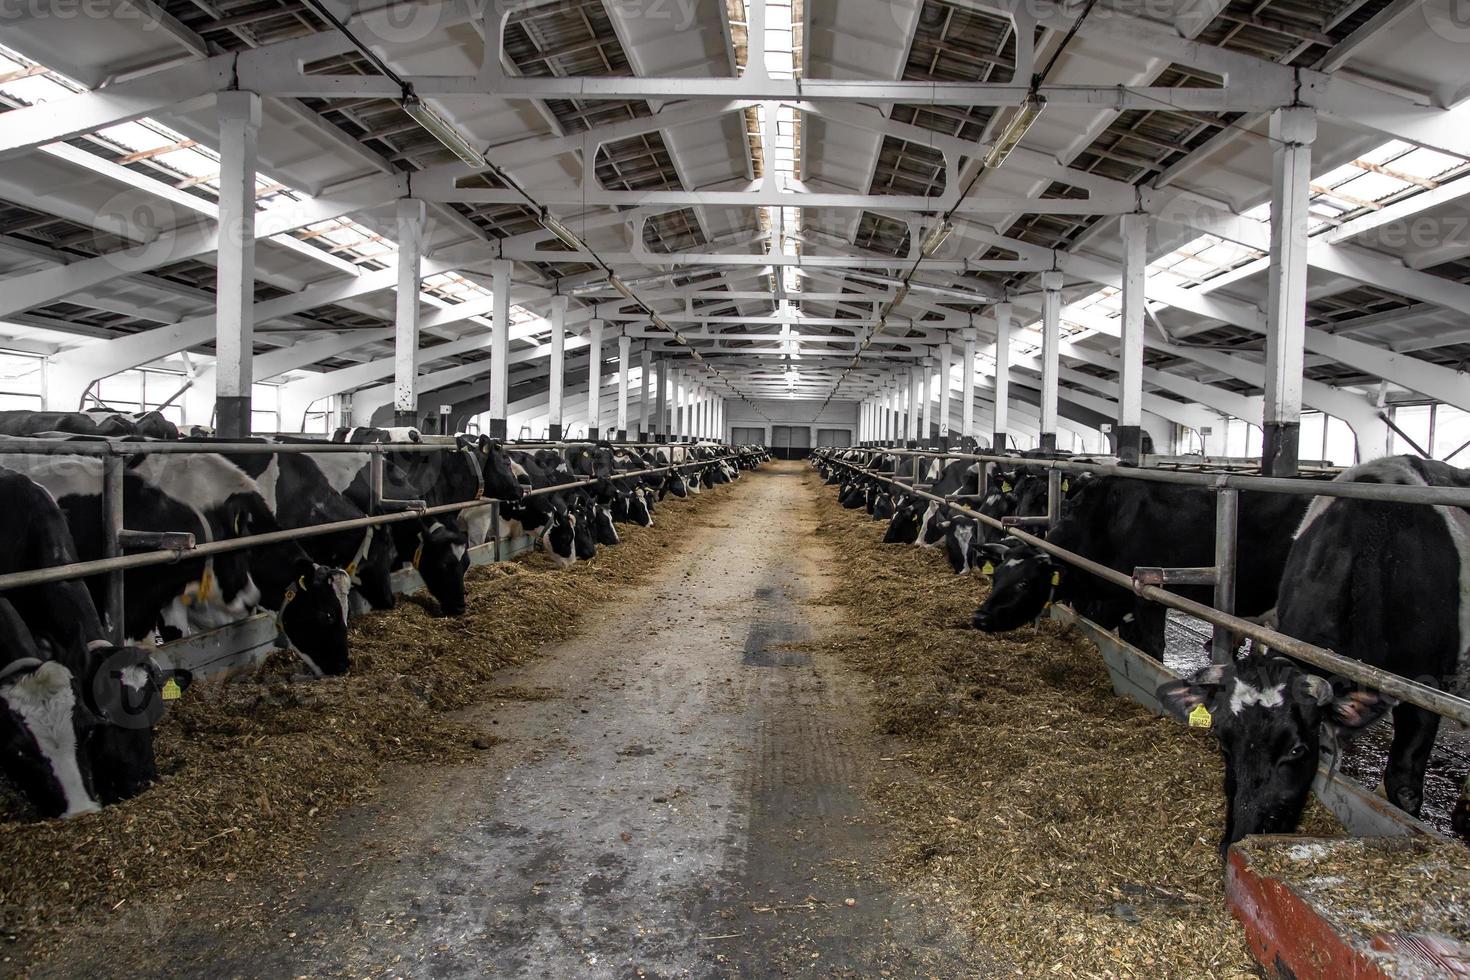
x=594, y=378
x=661, y=403
x=500, y=349
x=1292, y=132
x=678, y=412
x=890, y=411
x=926, y=392
x=625, y=350
x=967, y=386
x=1002, y=376
x=917, y=391
x=696, y=405
x=1129, y=435
x=1051, y=339
x=644, y=404
x=556, y=392
x=406, y=322
x=946, y=363
x=865, y=415
x=234, y=345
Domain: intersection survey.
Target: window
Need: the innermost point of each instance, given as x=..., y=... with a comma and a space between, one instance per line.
x=265, y=408
x=1451, y=435
x=1413, y=422
x=20, y=380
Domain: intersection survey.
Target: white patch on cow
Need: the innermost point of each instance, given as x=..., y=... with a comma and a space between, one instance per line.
x=963, y=535
x=135, y=677
x=203, y=481
x=45, y=702
x=1012, y=561
x=519, y=472
x=60, y=476
x=340, y=469
x=1243, y=695
x=403, y=433
x=268, y=480
x=458, y=550
x=924, y=526
x=342, y=586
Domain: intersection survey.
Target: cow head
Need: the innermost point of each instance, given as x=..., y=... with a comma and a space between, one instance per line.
x=903, y=528
x=602, y=525
x=44, y=730
x=584, y=532
x=674, y=484
x=500, y=478
x=933, y=525
x=129, y=694
x=1023, y=581
x=560, y=538
x=959, y=543
x=1272, y=720
x=883, y=509
x=313, y=617
x=442, y=559
x=640, y=506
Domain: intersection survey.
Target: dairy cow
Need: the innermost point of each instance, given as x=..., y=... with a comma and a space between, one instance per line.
x=1384, y=583
x=76, y=711
x=1124, y=524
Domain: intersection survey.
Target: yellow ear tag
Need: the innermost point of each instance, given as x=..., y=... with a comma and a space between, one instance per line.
x=987, y=569
x=418, y=554
x=1066, y=485
x=1056, y=578
x=1199, y=717
x=1005, y=488
x=171, y=690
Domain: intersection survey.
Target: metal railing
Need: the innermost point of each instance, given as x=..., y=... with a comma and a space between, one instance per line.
x=1222, y=574
x=178, y=546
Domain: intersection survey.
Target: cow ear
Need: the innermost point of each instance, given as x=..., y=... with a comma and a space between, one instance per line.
x=994, y=551
x=1184, y=699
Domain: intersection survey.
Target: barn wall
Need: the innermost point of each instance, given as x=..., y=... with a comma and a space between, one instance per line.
x=794, y=412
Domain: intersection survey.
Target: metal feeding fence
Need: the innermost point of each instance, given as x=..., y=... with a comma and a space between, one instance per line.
x=1148, y=582
x=168, y=547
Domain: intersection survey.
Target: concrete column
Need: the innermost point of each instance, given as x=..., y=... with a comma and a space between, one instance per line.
x=625, y=351
x=917, y=391
x=500, y=349
x=661, y=403
x=594, y=378
x=1130, y=373
x=967, y=385
x=1002, y=376
x=645, y=402
x=1292, y=132
x=1051, y=339
x=676, y=421
x=234, y=344
x=556, y=392
x=926, y=393
x=946, y=362
x=886, y=434
x=406, y=321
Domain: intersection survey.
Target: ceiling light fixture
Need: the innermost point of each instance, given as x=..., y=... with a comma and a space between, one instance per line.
x=442, y=130
x=1015, y=130
x=561, y=231
x=936, y=237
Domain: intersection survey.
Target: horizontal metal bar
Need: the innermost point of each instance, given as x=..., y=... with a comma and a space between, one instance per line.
x=1433, y=699
x=172, y=540
x=1154, y=575
x=1392, y=493
x=1041, y=521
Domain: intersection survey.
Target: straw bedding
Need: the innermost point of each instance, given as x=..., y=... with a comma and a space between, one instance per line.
x=1077, y=830
x=250, y=771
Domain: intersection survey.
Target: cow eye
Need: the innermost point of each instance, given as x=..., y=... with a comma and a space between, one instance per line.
x=1295, y=752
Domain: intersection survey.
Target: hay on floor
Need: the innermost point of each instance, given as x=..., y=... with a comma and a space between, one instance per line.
x=1076, y=830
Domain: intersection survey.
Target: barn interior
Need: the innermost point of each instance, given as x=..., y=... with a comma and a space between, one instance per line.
x=715, y=239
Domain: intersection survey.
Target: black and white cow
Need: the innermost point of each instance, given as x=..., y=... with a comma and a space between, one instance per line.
x=1125, y=524
x=208, y=496
x=96, y=422
x=300, y=495
x=76, y=711
x=1384, y=583
x=371, y=434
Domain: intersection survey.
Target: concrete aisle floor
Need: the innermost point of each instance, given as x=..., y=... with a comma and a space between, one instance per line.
x=685, y=801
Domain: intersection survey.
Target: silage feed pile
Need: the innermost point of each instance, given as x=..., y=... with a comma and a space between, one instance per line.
x=251, y=770
x=1075, y=829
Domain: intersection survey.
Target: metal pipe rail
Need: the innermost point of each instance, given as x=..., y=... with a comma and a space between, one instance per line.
x=1433, y=699
x=115, y=561
x=1392, y=493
